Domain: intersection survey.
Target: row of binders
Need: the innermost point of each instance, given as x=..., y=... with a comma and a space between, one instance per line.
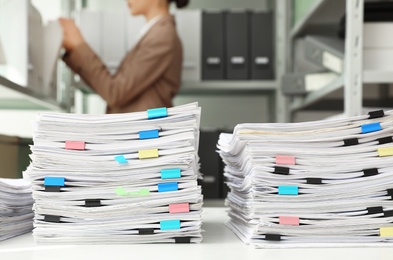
x=237, y=45
x=322, y=183
x=122, y=178
x=16, y=214
x=233, y=45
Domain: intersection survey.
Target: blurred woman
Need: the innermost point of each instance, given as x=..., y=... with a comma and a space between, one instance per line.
x=148, y=76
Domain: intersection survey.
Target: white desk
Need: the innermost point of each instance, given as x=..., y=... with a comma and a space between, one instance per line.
x=219, y=243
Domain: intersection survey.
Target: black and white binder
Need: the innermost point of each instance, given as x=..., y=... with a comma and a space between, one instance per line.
x=262, y=34
x=213, y=63
x=237, y=45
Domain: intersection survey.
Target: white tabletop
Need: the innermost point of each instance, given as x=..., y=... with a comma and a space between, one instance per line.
x=219, y=243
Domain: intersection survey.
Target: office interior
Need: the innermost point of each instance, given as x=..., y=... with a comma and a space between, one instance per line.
x=291, y=67
x=225, y=102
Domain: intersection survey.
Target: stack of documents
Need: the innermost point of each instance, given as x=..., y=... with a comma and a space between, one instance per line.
x=16, y=203
x=323, y=183
x=121, y=178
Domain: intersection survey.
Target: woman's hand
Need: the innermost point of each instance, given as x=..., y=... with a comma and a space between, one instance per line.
x=72, y=36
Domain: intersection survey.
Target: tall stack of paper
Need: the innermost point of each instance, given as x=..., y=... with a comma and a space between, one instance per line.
x=16, y=214
x=323, y=183
x=121, y=178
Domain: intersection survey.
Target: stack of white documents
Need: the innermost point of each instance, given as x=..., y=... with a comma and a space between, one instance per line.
x=121, y=178
x=323, y=183
x=16, y=203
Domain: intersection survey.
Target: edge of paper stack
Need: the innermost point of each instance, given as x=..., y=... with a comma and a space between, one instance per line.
x=16, y=202
x=315, y=184
x=121, y=178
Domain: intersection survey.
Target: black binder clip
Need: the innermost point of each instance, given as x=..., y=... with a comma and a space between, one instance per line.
x=281, y=170
x=370, y=172
x=90, y=203
x=182, y=240
x=385, y=140
x=314, y=181
x=52, y=218
x=273, y=237
x=350, y=142
x=52, y=188
x=388, y=213
x=376, y=114
x=375, y=210
x=146, y=231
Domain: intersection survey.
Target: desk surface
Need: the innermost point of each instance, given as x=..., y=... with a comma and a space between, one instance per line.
x=218, y=243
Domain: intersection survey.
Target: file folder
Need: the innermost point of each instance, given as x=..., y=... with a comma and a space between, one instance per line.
x=35, y=47
x=189, y=27
x=52, y=42
x=44, y=50
x=262, y=58
x=213, y=63
x=237, y=45
x=325, y=51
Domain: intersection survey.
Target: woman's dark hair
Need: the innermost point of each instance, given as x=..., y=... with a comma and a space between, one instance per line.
x=180, y=3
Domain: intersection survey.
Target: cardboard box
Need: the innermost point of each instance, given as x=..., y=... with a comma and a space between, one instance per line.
x=14, y=156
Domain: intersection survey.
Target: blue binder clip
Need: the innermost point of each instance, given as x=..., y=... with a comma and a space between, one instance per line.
x=288, y=190
x=170, y=174
x=169, y=224
x=151, y=134
x=54, y=181
x=157, y=113
x=169, y=186
x=369, y=128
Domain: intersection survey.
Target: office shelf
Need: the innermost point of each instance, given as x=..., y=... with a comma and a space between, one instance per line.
x=212, y=87
x=321, y=13
x=302, y=102
x=228, y=87
x=369, y=77
x=29, y=99
x=325, y=12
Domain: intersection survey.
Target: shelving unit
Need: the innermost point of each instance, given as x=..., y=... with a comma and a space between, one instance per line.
x=328, y=12
x=30, y=98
